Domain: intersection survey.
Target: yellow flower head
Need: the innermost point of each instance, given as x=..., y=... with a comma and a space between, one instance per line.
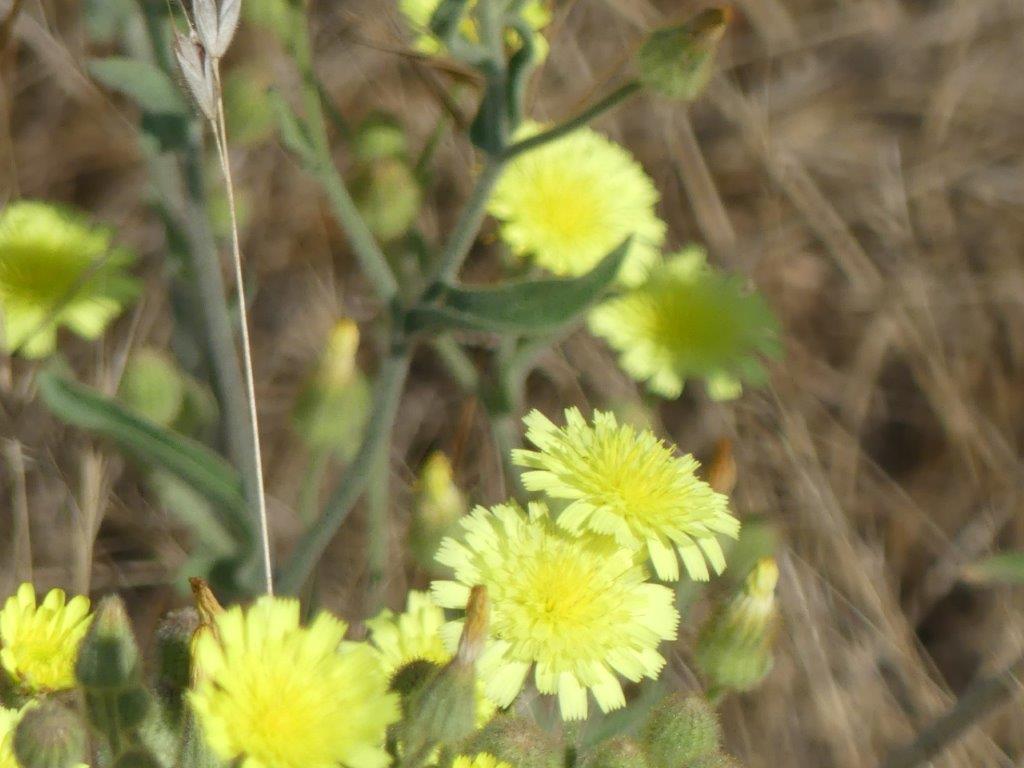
x=569, y=203
x=56, y=269
x=281, y=695
x=419, y=12
x=416, y=636
x=482, y=760
x=578, y=610
x=39, y=644
x=689, y=320
x=628, y=485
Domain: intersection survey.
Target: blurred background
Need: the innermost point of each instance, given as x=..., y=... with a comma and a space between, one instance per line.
x=860, y=162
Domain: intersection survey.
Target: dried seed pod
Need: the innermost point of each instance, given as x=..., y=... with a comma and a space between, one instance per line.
x=197, y=70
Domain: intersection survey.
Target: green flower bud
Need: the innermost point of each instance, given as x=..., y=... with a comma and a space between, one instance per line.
x=174, y=658
x=332, y=409
x=518, y=742
x=679, y=731
x=678, y=61
x=153, y=386
x=412, y=677
x=438, y=505
x=388, y=196
x=621, y=752
x=443, y=710
x=132, y=707
x=49, y=736
x=734, y=648
x=380, y=136
x=108, y=658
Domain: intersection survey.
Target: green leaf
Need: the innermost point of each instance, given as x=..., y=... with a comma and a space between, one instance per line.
x=195, y=464
x=1003, y=568
x=525, y=307
x=142, y=82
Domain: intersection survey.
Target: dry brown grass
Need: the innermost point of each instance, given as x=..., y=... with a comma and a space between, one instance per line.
x=862, y=161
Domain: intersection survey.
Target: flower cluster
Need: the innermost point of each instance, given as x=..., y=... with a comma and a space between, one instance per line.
x=570, y=596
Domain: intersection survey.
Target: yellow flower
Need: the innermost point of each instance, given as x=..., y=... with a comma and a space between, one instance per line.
x=280, y=695
x=56, y=269
x=630, y=486
x=418, y=14
x=39, y=644
x=580, y=611
x=482, y=760
x=689, y=320
x=416, y=636
x=569, y=203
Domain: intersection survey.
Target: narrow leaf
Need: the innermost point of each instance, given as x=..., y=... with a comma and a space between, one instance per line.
x=195, y=464
x=526, y=307
x=144, y=83
x=1003, y=568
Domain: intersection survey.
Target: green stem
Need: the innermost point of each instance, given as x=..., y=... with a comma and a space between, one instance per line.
x=976, y=702
x=371, y=258
x=378, y=498
x=609, y=102
x=467, y=227
x=390, y=382
x=458, y=363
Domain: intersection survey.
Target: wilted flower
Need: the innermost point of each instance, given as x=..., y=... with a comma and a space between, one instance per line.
x=419, y=12
x=735, y=647
x=415, y=635
x=38, y=644
x=678, y=61
x=280, y=695
x=689, y=320
x=569, y=203
x=581, y=612
x=628, y=485
x=56, y=269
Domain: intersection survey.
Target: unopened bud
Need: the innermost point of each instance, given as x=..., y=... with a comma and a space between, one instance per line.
x=49, y=736
x=678, y=61
x=438, y=505
x=622, y=752
x=174, y=656
x=734, y=648
x=333, y=407
x=518, y=742
x=380, y=136
x=680, y=730
x=388, y=196
x=444, y=709
x=153, y=386
x=108, y=658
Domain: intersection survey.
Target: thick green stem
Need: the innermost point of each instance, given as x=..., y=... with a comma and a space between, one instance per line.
x=606, y=104
x=389, y=385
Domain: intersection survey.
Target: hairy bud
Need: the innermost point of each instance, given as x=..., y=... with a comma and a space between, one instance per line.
x=679, y=731
x=678, y=61
x=49, y=736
